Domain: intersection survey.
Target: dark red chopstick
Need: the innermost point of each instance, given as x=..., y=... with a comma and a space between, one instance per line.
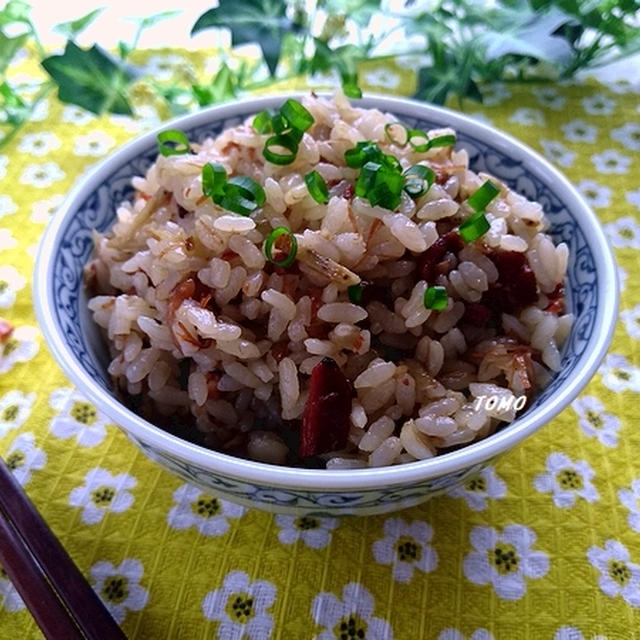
x=36, y=562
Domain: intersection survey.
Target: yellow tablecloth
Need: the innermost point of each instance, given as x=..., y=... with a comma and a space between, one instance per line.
x=561, y=512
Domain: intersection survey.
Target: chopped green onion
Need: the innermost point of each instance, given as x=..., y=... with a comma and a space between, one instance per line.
x=418, y=180
x=262, y=123
x=317, y=187
x=237, y=204
x=173, y=142
x=363, y=152
x=245, y=187
x=352, y=90
x=474, y=227
x=392, y=162
x=420, y=147
x=271, y=243
x=297, y=116
x=279, y=123
x=436, y=298
x=442, y=141
x=281, y=141
x=380, y=184
x=402, y=142
x=483, y=196
x=355, y=293
x=214, y=177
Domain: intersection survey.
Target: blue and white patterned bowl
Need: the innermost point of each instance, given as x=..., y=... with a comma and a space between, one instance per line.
x=61, y=306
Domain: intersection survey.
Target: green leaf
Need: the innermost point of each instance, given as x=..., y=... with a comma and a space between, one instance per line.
x=344, y=60
x=261, y=21
x=9, y=47
x=153, y=20
x=223, y=87
x=15, y=11
x=90, y=78
x=72, y=28
x=14, y=108
x=361, y=11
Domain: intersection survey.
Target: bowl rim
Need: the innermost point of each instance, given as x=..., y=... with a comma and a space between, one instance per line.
x=324, y=479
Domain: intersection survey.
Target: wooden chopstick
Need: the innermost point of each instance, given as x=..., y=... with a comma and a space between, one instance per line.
x=43, y=573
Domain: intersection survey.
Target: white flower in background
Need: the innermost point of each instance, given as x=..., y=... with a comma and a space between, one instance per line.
x=162, y=67
x=567, y=480
x=594, y=422
x=77, y=115
x=478, y=490
x=76, y=418
x=568, y=633
x=618, y=374
x=504, y=560
x=599, y=105
x=96, y=143
x=406, y=547
x=10, y=283
x=624, y=232
x=634, y=197
x=595, y=194
x=208, y=514
x=557, y=152
x=32, y=250
x=324, y=79
x=15, y=408
x=618, y=576
x=351, y=617
x=630, y=498
x=619, y=85
x=4, y=163
x=102, y=492
x=40, y=112
x=478, y=116
x=631, y=319
x=549, y=97
x=382, y=77
x=579, y=131
x=43, y=209
x=622, y=278
x=610, y=161
x=145, y=117
x=454, y=634
x=119, y=587
x=10, y=599
x=315, y=532
x=39, y=144
x=494, y=93
x=21, y=346
x=528, y=117
x=241, y=607
x=7, y=241
x=7, y=205
x=41, y=176
x=628, y=135
x=24, y=457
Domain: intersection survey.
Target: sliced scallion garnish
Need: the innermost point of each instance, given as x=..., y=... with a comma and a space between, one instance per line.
x=418, y=140
x=245, y=187
x=355, y=293
x=418, y=180
x=297, y=116
x=317, y=187
x=483, y=196
x=392, y=127
x=262, y=123
x=273, y=248
x=380, y=184
x=214, y=177
x=474, y=227
x=435, y=298
x=237, y=204
x=447, y=140
x=173, y=142
x=275, y=143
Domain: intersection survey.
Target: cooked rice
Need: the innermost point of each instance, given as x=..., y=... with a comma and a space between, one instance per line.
x=207, y=337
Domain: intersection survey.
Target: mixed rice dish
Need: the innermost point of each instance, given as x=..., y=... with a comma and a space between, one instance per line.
x=323, y=286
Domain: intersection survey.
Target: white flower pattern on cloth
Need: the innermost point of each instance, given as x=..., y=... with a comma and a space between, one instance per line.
x=102, y=492
x=504, y=560
x=15, y=408
x=610, y=161
x=528, y=117
x=622, y=278
x=7, y=241
x=240, y=606
x=481, y=117
x=579, y=131
x=21, y=346
x=598, y=105
x=4, y=163
x=23, y=457
x=549, y=97
x=7, y=205
x=628, y=135
x=41, y=176
x=595, y=194
x=314, y=531
x=39, y=144
x=406, y=547
x=208, y=514
x=119, y=587
x=11, y=281
x=454, y=634
x=43, y=209
x=146, y=117
x=618, y=374
x=557, y=152
x=567, y=480
x=382, y=78
x=631, y=319
x=10, y=599
x=634, y=197
x=351, y=617
x=96, y=143
x=77, y=115
x=162, y=67
x=618, y=576
x=478, y=490
x=40, y=112
x=494, y=93
x=77, y=418
x=630, y=498
x=594, y=422
x=624, y=232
